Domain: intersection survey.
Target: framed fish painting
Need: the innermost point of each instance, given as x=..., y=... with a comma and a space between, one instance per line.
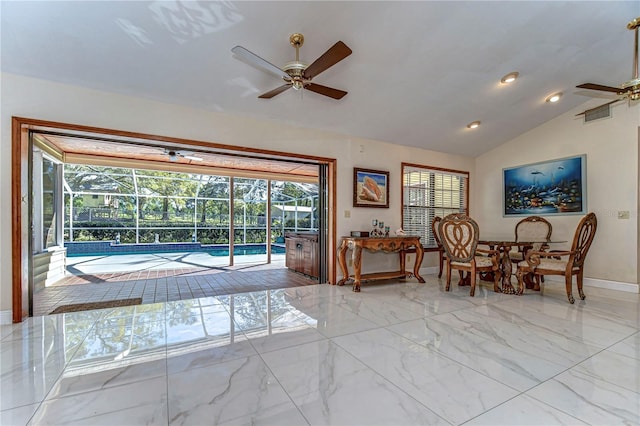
x=370, y=188
x=555, y=187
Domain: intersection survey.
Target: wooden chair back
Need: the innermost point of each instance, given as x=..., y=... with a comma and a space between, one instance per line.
x=435, y=223
x=435, y=230
x=533, y=228
x=459, y=234
x=583, y=238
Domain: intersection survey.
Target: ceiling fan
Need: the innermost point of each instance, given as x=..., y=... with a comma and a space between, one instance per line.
x=175, y=155
x=297, y=74
x=629, y=90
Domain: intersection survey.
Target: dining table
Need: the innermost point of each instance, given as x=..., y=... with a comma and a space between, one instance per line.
x=504, y=246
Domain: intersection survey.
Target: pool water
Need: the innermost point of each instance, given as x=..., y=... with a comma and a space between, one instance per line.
x=76, y=249
x=243, y=250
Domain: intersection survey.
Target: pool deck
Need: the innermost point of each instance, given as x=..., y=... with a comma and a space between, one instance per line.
x=164, y=277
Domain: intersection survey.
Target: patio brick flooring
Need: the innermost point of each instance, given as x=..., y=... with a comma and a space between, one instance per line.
x=166, y=284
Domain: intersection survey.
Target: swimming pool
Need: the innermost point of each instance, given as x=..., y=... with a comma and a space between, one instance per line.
x=108, y=248
x=246, y=250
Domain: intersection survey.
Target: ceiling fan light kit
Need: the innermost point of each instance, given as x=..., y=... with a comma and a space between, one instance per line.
x=296, y=74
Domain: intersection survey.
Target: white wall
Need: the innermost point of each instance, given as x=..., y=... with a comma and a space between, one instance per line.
x=38, y=99
x=611, y=146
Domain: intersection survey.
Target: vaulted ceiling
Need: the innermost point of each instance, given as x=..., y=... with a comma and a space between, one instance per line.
x=419, y=72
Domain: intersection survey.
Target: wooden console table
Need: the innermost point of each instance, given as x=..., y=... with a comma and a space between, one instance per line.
x=375, y=244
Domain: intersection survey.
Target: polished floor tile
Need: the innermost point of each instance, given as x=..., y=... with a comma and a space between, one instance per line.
x=396, y=353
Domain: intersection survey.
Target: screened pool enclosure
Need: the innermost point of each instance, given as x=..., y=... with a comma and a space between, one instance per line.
x=146, y=206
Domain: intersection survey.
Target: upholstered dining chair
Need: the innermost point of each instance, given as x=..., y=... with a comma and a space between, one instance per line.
x=566, y=263
x=460, y=234
x=435, y=223
x=532, y=228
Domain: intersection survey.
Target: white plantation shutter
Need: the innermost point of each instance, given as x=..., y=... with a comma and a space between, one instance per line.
x=428, y=193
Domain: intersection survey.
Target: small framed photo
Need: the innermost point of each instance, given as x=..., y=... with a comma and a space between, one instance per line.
x=370, y=188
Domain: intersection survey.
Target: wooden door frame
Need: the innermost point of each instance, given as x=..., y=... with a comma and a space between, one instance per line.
x=20, y=189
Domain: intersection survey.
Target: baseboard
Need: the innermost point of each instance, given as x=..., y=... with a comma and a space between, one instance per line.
x=6, y=317
x=588, y=282
x=598, y=283
x=429, y=270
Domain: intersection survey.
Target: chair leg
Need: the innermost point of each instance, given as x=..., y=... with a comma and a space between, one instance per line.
x=497, y=275
x=441, y=262
x=473, y=277
x=567, y=283
x=579, y=282
x=448, y=275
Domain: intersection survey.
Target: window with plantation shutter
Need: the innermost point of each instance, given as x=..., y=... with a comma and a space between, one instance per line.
x=429, y=192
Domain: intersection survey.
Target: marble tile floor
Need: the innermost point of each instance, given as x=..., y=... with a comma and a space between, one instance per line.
x=167, y=284
x=394, y=354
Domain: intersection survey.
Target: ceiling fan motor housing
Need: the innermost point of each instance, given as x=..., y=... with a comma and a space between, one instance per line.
x=295, y=69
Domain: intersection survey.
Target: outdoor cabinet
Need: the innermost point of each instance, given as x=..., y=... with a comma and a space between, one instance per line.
x=302, y=252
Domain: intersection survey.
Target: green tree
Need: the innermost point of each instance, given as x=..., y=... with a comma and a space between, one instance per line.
x=167, y=185
x=211, y=187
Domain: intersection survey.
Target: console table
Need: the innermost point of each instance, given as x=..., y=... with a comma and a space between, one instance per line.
x=375, y=244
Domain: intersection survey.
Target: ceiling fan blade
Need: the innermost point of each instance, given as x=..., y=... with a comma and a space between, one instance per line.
x=257, y=61
x=600, y=87
x=335, y=54
x=324, y=90
x=274, y=92
x=599, y=106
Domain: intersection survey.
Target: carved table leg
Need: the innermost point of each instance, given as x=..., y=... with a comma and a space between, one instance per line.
x=416, y=266
x=520, y=275
x=357, y=267
x=506, y=266
x=342, y=252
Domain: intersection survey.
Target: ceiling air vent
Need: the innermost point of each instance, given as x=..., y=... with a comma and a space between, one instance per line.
x=603, y=111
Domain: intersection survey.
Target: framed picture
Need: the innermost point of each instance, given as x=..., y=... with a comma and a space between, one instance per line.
x=554, y=187
x=370, y=188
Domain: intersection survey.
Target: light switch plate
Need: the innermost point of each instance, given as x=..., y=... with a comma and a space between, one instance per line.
x=347, y=213
x=623, y=214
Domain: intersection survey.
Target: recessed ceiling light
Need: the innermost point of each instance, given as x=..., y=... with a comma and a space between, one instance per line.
x=473, y=124
x=554, y=98
x=509, y=78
